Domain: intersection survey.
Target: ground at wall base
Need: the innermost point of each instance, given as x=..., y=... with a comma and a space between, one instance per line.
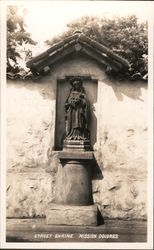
x=36, y=230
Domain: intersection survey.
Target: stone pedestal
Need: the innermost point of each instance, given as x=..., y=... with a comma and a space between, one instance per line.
x=73, y=192
x=72, y=215
x=74, y=186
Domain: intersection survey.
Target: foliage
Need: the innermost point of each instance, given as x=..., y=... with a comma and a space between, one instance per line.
x=18, y=41
x=124, y=35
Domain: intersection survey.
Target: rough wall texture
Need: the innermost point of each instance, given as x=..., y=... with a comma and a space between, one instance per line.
x=120, y=150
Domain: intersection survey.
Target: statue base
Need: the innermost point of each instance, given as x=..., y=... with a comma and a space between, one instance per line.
x=72, y=215
x=82, y=145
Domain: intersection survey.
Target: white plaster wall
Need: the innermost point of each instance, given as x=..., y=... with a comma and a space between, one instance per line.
x=30, y=131
x=121, y=148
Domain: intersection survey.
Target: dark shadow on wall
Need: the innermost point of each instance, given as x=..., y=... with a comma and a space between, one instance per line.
x=96, y=170
x=100, y=219
x=97, y=175
x=131, y=89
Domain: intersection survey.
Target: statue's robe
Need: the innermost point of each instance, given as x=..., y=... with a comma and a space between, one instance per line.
x=76, y=116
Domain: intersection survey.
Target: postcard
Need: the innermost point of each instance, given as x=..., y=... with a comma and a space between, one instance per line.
x=76, y=124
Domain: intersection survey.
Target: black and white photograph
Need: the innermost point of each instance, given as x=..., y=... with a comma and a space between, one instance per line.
x=76, y=124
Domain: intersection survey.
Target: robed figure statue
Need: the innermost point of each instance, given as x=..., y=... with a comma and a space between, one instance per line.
x=76, y=112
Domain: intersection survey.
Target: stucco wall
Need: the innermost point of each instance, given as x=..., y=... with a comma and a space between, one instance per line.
x=120, y=150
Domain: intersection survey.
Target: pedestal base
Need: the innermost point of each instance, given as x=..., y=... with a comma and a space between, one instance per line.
x=80, y=145
x=72, y=215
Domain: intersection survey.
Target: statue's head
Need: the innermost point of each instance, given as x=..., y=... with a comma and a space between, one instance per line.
x=76, y=83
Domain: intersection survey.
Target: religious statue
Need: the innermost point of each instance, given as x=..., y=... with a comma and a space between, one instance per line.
x=76, y=112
